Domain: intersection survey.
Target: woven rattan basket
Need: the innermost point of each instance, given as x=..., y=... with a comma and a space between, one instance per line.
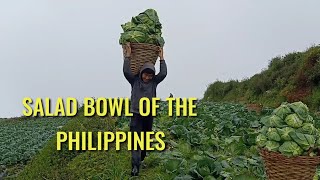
x=142, y=53
x=280, y=167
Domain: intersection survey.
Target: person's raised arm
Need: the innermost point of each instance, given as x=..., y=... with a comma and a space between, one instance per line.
x=126, y=63
x=163, y=68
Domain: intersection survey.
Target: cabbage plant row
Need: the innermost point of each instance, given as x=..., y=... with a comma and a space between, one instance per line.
x=20, y=140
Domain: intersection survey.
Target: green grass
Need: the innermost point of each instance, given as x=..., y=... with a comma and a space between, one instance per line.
x=49, y=162
x=110, y=164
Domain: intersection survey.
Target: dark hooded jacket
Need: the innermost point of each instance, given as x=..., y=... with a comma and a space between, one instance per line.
x=139, y=88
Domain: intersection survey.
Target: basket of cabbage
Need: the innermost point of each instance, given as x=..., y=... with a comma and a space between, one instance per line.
x=289, y=142
x=144, y=34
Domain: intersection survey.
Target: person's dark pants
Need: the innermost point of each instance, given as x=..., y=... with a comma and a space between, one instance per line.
x=139, y=124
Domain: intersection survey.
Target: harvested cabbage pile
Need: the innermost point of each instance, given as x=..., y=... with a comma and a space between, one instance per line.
x=144, y=28
x=289, y=130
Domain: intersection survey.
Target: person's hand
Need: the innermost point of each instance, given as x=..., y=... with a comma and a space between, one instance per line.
x=126, y=49
x=161, y=53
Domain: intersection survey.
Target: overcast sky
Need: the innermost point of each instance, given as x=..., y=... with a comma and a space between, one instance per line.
x=61, y=48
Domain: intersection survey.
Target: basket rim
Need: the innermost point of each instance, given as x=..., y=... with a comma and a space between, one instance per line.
x=145, y=46
x=264, y=151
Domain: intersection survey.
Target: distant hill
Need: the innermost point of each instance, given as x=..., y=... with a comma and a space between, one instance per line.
x=293, y=77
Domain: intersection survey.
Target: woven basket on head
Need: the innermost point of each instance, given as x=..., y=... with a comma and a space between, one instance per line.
x=142, y=53
x=280, y=167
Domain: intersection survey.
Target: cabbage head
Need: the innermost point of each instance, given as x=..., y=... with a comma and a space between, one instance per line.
x=149, y=17
x=272, y=121
x=261, y=140
x=290, y=148
x=305, y=141
x=205, y=166
x=129, y=26
x=155, y=39
x=173, y=164
x=294, y=121
x=300, y=109
x=272, y=146
x=133, y=36
x=284, y=133
x=309, y=119
x=204, y=171
x=178, y=131
x=194, y=138
x=264, y=130
x=273, y=134
x=282, y=111
x=308, y=128
x=144, y=28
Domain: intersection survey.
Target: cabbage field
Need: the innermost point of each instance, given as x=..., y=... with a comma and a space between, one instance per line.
x=22, y=139
x=217, y=144
x=220, y=143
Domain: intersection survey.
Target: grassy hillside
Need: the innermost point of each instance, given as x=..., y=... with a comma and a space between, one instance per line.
x=293, y=77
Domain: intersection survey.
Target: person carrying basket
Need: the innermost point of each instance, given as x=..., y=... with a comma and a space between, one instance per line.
x=143, y=84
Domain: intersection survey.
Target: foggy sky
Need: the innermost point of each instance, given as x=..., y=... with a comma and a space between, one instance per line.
x=55, y=48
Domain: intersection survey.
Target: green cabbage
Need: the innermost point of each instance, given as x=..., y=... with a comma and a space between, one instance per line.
x=272, y=121
x=160, y=41
x=133, y=36
x=309, y=119
x=272, y=134
x=155, y=39
x=272, y=146
x=204, y=171
x=129, y=26
x=305, y=141
x=289, y=130
x=284, y=133
x=172, y=164
x=194, y=138
x=282, y=111
x=209, y=178
x=144, y=28
x=149, y=17
x=205, y=166
x=142, y=19
x=264, y=130
x=300, y=109
x=308, y=128
x=290, y=148
x=261, y=140
x=293, y=121
x=178, y=131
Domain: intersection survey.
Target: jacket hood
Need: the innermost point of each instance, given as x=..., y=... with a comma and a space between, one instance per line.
x=147, y=65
